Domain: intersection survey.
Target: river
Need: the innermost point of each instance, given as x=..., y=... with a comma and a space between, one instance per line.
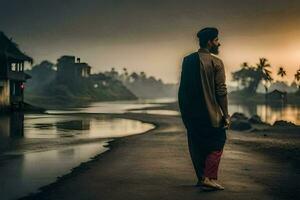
x=35, y=149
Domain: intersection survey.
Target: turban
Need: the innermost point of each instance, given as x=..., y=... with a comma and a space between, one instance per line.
x=207, y=34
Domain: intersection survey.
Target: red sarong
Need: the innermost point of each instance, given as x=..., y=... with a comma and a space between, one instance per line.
x=212, y=164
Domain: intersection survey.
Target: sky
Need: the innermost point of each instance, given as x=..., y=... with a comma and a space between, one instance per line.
x=154, y=35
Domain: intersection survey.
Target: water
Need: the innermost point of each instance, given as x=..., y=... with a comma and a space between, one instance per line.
x=269, y=113
x=35, y=149
x=24, y=173
x=158, y=112
x=115, y=106
x=61, y=126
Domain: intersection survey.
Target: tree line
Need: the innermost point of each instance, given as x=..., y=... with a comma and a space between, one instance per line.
x=142, y=85
x=249, y=76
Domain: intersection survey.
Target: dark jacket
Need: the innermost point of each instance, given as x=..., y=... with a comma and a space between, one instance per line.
x=201, y=85
x=202, y=91
x=190, y=95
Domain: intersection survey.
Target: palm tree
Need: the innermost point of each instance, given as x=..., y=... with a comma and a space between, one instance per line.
x=134, y=76
x=143, y=75
x=125, y=71
x=250, y=76
x=262, y=73
x=281, y=72
x=242, y=75
x=245, y=67
x=113, y=73
x=262, y=68
x=124, y=76
x=297, y=78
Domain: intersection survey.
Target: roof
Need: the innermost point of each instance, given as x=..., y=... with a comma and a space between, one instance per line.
x=277, y=91
x=82, y=65
x=66, y=57
x=11, y=49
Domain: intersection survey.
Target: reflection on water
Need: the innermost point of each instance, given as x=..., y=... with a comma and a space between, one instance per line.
x=47, y=126
x=269, y=113
x=59, y=126
x=157, y=112
x=25, y=173
x=12, y=125
x=115, y=106
x=27, y=158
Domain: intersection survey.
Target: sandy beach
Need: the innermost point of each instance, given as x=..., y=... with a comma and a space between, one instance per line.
x=156, y=165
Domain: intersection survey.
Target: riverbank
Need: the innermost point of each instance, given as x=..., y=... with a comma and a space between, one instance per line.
x=259, y=98
x=156, y=165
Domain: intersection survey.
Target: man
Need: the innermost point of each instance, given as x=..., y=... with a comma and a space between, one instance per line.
x=203, y=105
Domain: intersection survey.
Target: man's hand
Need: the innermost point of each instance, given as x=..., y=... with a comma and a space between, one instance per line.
x=226, y=121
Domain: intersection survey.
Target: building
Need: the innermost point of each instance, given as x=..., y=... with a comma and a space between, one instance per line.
x=68, y=70
x=12, y=76
x=277, y=95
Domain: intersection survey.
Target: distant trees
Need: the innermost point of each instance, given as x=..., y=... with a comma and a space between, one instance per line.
x=242, y=76
x=263, y=73
x=143, y=75
x=43, y=69
x=281, y=72
x=42, y=74
x=132, y=78
x=142, y=85
x=112, y=73
x=250, y=76
x=297, y=79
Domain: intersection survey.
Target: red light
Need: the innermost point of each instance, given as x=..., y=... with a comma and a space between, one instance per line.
x=22, y=86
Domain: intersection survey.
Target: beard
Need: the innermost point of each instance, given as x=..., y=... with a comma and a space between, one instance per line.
x=214, y=49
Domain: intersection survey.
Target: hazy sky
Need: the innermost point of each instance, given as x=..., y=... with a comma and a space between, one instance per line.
x=154, y=35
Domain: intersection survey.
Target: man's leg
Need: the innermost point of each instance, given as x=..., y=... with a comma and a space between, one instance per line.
x=212, y=164
x=198, y=156
x=211, y=169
